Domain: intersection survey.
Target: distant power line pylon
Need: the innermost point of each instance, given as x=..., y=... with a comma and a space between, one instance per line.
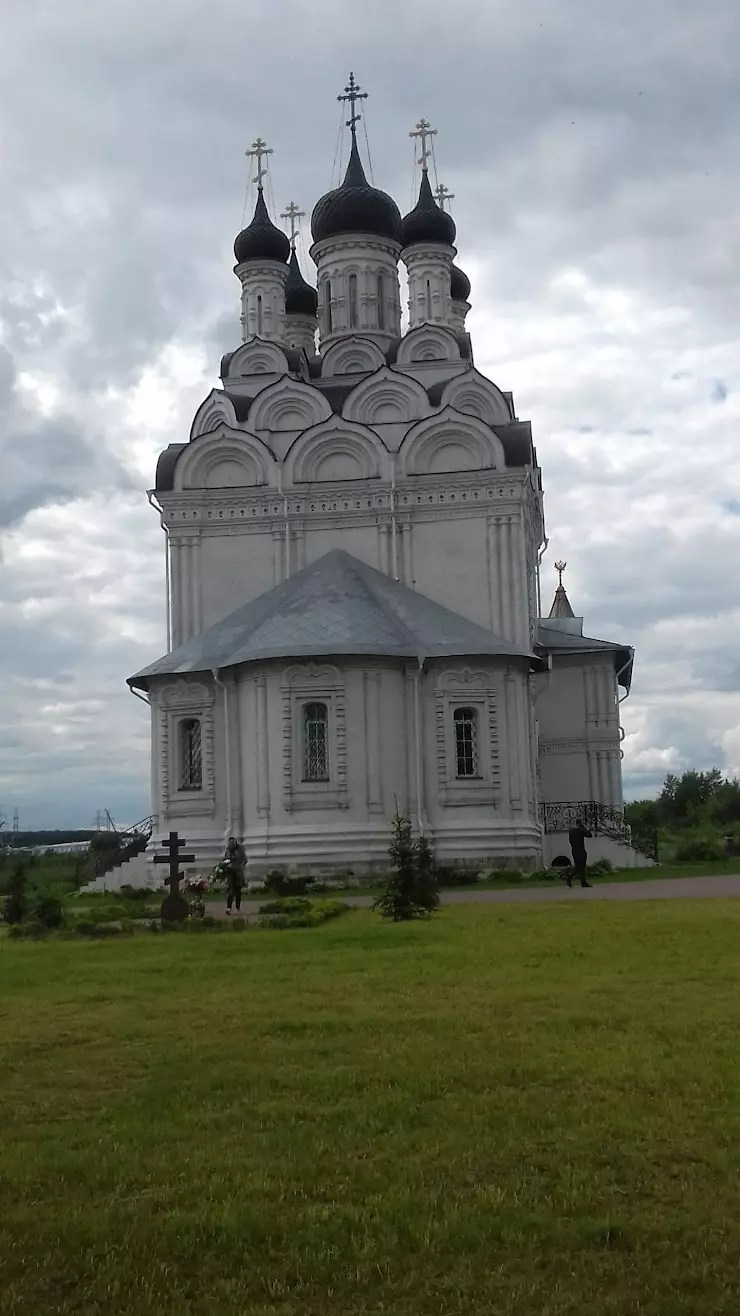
x=16, y=822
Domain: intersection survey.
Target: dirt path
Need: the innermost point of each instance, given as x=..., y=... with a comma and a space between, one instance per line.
x=670, y=888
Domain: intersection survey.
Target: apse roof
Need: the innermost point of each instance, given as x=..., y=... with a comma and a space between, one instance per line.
x=563, y=635
x=337, y=606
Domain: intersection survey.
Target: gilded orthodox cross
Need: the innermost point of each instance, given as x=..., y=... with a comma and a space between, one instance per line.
x=353, y=94
x=257, y=150
x=174, y=906
x=424, y=130
x=560, y=568
x=443, y=194
x=293, y=214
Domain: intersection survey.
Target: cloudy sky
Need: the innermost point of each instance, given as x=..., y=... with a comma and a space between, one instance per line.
x=593, y=152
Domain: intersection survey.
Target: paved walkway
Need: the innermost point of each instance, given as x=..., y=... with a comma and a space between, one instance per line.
x=667, y=888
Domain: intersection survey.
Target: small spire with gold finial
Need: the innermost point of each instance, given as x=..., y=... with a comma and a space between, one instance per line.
x=561, y=603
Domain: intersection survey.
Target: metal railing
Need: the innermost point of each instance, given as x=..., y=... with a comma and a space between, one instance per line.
x=601, y=820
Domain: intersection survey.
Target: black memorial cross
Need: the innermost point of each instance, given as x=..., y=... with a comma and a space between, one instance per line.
x=174, y=906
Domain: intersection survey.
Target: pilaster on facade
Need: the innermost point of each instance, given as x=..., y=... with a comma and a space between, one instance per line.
x=185, y=587
x=429, y=267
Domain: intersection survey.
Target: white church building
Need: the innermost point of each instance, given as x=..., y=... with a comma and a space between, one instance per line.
x=354, y=535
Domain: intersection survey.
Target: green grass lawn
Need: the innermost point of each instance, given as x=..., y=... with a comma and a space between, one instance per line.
x=515, y=1110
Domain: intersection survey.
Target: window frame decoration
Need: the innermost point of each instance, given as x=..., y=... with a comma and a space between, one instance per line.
x=174, y=704
x=474, y=691
x=303, y=685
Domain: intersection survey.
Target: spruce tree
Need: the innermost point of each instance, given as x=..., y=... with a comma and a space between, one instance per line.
x=411, y=888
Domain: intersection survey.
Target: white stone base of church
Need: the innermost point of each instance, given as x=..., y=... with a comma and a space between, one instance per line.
x=362, y=847
x=556, y=846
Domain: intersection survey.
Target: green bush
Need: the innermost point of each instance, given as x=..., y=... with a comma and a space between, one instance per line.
x=31, y=930
x=511, y=875
x=288, y=905
x=600, y=867
x=449, y=876
x=699, y=850
x=136, y=893
x=47, y=909
x=316, y=913
x=15, y=906
x=99, y=931
x=283, y=885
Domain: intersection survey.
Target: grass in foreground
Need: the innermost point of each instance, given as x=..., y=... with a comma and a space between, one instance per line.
x=520, y=1110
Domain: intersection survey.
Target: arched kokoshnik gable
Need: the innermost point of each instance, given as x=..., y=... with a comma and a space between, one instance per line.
x=227, y=458
x=288, y=404
x=450, y=441
x=385, y=397
x=337, y=450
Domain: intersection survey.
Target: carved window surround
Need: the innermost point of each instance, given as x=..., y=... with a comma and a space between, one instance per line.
x=305, y=684
x=457, y=688
x=176, y=703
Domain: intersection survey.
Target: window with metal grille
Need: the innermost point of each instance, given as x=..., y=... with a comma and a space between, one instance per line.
x=315, y=742
x=191, y=755
x=466, y=742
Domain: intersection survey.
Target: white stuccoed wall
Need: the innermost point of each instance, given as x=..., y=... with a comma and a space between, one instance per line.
x=375, y=764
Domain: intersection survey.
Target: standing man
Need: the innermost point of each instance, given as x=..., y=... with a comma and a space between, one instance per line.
x=577, y=837
x=237, y=861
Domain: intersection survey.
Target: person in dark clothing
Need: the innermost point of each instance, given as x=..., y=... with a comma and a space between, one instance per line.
x=237, y=861
x=577, y=837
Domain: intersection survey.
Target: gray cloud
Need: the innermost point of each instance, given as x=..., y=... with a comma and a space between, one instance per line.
x=591, y=151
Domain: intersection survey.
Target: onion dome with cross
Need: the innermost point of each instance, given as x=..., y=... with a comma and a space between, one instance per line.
x=427, y=222
x=261, y=240
x=356, y=206
x=300, y=297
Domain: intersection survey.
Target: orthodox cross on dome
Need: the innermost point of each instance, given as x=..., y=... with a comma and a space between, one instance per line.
x=560, y=568
x=443, y=194
x=424, y=130
x=257, y=150
x=353, y=94
x=293, y=214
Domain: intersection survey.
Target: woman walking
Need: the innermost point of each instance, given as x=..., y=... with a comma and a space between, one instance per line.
x=237, y=861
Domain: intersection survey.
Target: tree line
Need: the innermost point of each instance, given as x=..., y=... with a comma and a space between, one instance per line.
x=695, y=799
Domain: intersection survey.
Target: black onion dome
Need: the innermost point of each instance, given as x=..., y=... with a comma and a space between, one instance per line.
x=459, y=285
x=427, y=222
x=261, y=240
x=300, y=297
x=356, y=207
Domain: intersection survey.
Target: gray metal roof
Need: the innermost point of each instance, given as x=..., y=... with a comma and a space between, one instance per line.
x=336, y=606
x=555, y=636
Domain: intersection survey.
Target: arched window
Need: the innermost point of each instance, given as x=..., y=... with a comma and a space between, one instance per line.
x=259, y=313
x=353, y=301
x=466, y=742
x=381, y=302
x=190, y=754
x=429, y=300
x=315, y=742
x=327, y=306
